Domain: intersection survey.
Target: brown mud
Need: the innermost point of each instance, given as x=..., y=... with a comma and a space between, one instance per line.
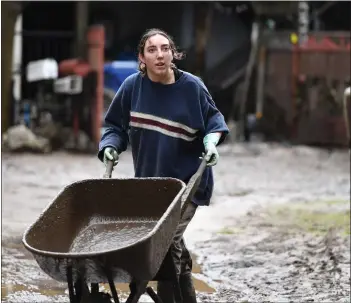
x=277, y=229
x=283, y=254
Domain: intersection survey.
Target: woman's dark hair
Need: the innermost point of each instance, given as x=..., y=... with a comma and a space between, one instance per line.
x=152, y=32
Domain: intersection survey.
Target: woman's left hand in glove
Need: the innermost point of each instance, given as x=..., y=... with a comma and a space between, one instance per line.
x=211, y=153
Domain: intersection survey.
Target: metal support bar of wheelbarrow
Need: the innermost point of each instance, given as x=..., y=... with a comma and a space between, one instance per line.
x=138, y=288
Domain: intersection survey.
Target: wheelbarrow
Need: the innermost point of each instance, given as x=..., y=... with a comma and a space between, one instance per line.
x=112, y=231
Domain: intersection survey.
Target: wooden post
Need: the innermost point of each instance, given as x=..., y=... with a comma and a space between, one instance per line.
x=82, y=15
x=96, y=47
x=203, y=20
x=9, y=13
x=295, y=62
x=255, y=37
x=261, y=69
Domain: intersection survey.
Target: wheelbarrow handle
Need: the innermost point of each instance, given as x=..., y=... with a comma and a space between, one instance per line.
x=109, y=169
x=192, y=186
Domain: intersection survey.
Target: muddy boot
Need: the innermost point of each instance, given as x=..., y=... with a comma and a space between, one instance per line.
x=165, y=292
x=187, y=288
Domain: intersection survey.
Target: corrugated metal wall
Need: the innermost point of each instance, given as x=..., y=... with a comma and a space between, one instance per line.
x=316, y=119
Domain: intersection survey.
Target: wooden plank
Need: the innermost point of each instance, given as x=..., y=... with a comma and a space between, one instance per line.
x=203, y=20
x=274, y=8
x=9, y=13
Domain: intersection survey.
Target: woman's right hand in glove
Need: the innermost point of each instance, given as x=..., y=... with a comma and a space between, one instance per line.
x=110, y=154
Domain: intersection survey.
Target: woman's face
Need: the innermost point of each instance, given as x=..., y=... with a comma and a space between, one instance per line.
x=157, y=55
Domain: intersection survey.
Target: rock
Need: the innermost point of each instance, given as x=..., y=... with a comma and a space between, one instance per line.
x=21, y=137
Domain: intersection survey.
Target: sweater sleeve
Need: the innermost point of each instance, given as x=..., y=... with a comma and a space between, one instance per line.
x=117, y=121
x=213, y=119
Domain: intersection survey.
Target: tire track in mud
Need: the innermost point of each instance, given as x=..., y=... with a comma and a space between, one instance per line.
x=250, y=258
x=264, y=259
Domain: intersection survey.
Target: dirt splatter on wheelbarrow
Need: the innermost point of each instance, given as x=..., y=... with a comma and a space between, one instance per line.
x=244, y=250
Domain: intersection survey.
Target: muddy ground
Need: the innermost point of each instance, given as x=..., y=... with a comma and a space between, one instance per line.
x=278, y=228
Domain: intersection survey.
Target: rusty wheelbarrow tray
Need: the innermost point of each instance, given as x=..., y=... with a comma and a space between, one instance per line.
x=111, y=231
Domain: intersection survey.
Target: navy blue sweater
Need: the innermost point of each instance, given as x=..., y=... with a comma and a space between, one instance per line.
x=165, y=126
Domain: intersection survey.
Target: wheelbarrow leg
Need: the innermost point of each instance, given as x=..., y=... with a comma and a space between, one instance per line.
x=136, y=291
x=72, y=297
x=113, y=288
x=112, y=285
x=82, y=290
x=79, y=291
x=153, y=295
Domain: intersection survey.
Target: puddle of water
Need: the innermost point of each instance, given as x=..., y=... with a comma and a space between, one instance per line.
x=200, y=285
x=107, y=235
x=8, y=289
x=23, y=293
x=42, y=290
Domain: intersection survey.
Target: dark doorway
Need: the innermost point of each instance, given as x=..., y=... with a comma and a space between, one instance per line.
x=48, y=32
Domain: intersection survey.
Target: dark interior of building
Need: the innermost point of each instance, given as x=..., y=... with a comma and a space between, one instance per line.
x=46, y=34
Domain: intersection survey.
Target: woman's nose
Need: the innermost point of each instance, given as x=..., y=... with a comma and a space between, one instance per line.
x=159, y=53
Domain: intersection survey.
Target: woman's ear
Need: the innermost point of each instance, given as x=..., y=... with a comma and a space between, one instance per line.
x=141, y=58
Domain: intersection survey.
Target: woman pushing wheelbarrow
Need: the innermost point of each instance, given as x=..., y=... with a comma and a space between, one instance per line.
x=169, y=118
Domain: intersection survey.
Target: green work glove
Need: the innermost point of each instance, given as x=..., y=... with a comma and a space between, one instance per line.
x=210, y=142
x=110, y=154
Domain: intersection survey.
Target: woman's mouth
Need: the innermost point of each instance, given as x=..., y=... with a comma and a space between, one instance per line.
x=161, y=64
